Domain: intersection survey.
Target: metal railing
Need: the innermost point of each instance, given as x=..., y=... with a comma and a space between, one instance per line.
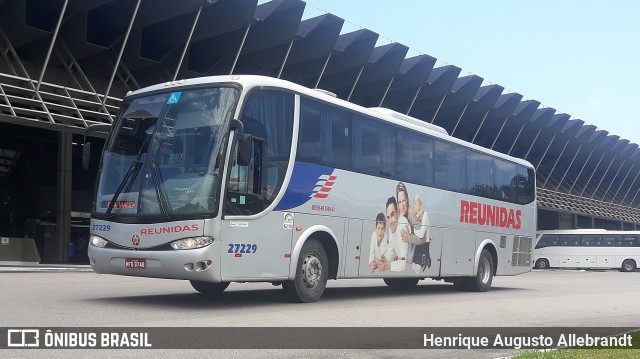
x=55, y=104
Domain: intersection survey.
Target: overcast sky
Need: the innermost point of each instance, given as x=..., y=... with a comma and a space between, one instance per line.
x=580, y=57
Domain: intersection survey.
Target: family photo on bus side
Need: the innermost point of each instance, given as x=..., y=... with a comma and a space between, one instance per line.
x=401, y=238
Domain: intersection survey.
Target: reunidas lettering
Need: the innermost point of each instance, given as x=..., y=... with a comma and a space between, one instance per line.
x=169, y=229
x=488, y=215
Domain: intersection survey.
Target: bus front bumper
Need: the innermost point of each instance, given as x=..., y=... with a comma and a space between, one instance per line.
x=194, y=264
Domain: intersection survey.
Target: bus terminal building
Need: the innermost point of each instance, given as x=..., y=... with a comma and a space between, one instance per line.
x=67, y=64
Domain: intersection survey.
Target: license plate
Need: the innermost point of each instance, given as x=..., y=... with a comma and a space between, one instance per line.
x=138, y=263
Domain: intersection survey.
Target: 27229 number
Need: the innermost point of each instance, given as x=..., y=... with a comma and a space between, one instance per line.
x=101, y=227
x=242, y=248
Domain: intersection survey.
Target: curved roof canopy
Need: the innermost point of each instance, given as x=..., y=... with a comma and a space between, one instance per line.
x=67, y=63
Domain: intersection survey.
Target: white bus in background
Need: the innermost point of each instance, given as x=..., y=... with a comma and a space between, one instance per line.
x=254, y=179
x=587, y=248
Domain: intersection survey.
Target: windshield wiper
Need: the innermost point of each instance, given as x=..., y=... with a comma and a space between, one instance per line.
x=132, y=172
x=163, y=203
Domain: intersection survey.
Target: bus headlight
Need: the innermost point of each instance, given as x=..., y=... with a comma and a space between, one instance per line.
x=192, y=242
x=97, y=241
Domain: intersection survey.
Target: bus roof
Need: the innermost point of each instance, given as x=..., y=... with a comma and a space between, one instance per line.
x=251, y=81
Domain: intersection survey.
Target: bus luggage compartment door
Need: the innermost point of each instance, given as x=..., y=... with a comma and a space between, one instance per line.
x=606, y=262
x=586, y=261
x=458, y=252
x=354, y=255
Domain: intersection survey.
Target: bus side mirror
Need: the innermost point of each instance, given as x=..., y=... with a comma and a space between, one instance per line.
x=244, y=150
x=86, y=148
x=86, y=155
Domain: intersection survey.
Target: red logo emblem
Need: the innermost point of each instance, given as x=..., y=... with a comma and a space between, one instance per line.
x=135, y=240
x=323, y=186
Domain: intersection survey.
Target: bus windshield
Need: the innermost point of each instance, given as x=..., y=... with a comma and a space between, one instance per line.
x=164, y=156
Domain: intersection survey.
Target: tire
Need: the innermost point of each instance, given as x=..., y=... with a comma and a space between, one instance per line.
x=401, y=283
x=312, y=272
x=542, y=263
x=482, y=281
x=628, y=265
x=209, y=288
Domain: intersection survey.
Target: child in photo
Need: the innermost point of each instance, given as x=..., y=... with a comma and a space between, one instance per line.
x=421, y=219
x=421, y=230
x=379, y=242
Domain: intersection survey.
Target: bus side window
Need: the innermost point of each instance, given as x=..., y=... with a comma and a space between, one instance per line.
x=309, y=145
x=450, y=166
x=618, y=241
x=608, y=241
x=631, y=241
x=547, y=241
x=564, y=241
x=541, y=242
x=569, y=240
x=591, y=241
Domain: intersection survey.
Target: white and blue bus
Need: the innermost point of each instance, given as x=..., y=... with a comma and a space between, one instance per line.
x=587, y=249
x=254, y=179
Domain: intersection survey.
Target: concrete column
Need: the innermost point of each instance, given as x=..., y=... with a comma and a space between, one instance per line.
x=63, y=196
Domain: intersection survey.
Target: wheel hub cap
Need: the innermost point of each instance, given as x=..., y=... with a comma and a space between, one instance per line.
x=484, y=270
x=312, y=271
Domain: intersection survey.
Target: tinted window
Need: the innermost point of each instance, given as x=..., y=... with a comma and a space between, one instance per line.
x=569, y=240
x=506, y=180
x=480, y=175
x=325, y=135
x=374, y=147
x=415, y=157
x=341, y=138
x=609, y=241
x=591, y=241
x=631, y=241
x=450, y=166
x=525, y=184
x=547, y=241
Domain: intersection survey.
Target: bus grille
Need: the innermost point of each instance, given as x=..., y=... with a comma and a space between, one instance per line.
x=521, y=256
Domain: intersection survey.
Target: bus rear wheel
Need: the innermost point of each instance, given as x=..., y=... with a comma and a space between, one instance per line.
x=482, y=281
x=312, y=272
x=542, y=263
x=629, y=265
x=401, y=283
x=209, y=288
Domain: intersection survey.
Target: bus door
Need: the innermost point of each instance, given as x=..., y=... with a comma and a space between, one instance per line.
x=256, y=245
x=257, y=248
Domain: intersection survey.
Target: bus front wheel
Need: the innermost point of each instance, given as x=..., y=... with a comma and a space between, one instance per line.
x=482, y=281
x=209, y=288
x=629, y=265
x=542, y=263
x=312, y=271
